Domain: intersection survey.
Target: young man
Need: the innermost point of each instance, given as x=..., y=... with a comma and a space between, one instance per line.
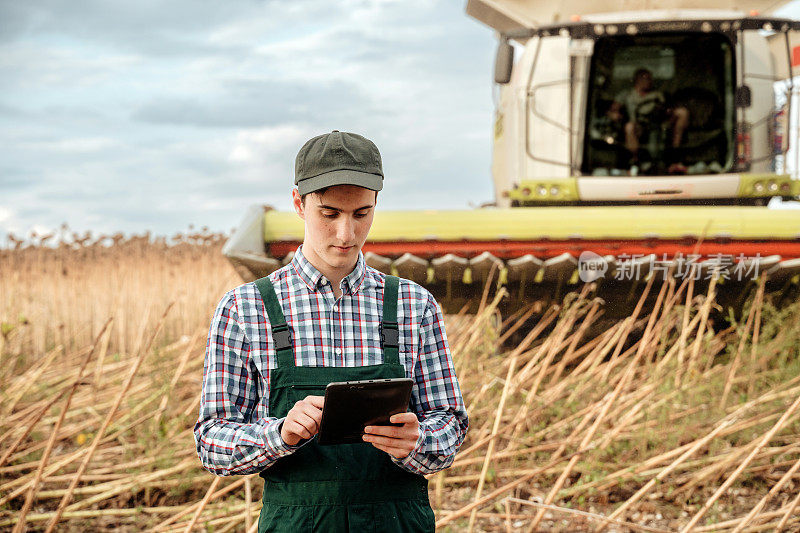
x=326, y=316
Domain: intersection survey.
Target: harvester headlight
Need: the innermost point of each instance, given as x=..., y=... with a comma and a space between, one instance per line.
x=706, y=27
x=611, y=29
x=599, y=29
x=541, y=190
x=758, y=186
x=773, y=186
x=785, y=187
x=526, y=191
x=554, y=190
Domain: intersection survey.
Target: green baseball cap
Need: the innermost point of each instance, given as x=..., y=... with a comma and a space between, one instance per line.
x=338, y=158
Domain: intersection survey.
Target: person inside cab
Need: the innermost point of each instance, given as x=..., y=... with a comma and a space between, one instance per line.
x=645, y=111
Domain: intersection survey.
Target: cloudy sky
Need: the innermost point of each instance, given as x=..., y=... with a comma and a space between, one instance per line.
x=121, y=115
x=144, y=115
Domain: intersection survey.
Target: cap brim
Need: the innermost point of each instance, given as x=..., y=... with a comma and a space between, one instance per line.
x=341, y=177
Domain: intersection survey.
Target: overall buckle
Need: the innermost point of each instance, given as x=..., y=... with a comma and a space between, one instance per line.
x=282, y=337
x=390, y=335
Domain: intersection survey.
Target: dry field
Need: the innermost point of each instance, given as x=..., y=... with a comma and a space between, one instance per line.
x=653, y=423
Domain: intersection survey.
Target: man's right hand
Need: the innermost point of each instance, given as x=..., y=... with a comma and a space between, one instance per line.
x=302, y=420
x=615, y=112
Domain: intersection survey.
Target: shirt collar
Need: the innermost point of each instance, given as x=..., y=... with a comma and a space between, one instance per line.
x=314, y=278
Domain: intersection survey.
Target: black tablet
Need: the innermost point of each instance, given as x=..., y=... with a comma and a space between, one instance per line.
x=352, y=405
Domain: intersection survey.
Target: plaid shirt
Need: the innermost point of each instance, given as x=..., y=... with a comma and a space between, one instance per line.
x=235, y=433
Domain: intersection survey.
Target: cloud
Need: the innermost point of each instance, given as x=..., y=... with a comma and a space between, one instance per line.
x=149, y=115
x=261, y=145
x=146, y=26
x=7, y=111
x=6, y=214
x=28, y=65
x=76, y=145
x=249, y=103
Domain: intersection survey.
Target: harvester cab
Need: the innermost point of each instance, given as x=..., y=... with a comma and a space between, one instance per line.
x=670, y=107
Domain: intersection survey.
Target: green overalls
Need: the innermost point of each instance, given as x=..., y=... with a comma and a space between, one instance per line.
x=345, y=487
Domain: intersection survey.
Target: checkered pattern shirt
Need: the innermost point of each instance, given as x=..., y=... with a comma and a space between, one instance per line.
x=235, y=433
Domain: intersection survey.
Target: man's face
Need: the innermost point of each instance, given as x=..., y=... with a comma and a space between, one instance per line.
x=645, y=81
x=336, y=226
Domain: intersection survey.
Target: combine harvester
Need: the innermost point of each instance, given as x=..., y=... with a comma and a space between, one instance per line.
x=573, y=202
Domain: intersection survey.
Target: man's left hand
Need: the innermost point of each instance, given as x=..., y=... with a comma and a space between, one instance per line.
x=397, y=441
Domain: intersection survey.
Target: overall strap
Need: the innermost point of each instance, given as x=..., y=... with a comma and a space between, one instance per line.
x=390, y=333
x=281, y=335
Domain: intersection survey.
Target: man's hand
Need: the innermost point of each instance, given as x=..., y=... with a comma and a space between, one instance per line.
x=397, y=441
x=615, y=112
x=302, y=420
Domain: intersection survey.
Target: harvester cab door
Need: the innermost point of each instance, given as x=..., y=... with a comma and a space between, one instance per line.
x=785, y=50
x=755, y=102
x=555, y=105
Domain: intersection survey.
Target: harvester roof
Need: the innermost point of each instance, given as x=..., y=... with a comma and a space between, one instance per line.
x=508, y=16
x=590, y=28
